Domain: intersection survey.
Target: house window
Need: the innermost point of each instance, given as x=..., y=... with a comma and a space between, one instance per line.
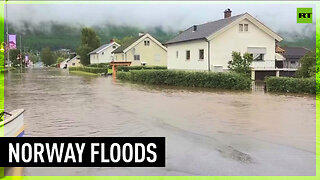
x=243, y=27
x=114, y=46
x=147, y=43
x=102, y=53
x=292, y=62
x=258, y=57
x=246, y=27
x=201, y=54
x=136, y=57
x=188, y=55
x=73, y=64
x=177, y=54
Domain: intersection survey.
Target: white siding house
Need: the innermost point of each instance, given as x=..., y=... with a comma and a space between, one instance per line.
x=142, y=50
x=103, y=54
x=73, y=62
x=209, y=46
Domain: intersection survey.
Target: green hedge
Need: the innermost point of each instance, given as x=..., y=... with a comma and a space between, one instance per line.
x=190, y=79
x=89, y=69
x=291, y=85
x=100, y=65
x=129, y=68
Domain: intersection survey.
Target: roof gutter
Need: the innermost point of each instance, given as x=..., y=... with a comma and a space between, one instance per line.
x=208, y=54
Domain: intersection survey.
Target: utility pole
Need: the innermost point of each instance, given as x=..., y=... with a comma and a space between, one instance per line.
x=8, y=48
x=20, y=56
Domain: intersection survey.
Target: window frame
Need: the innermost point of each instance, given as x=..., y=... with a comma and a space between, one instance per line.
x=241, y=27
x=244, y=27
x=146, y=42
x=201, y=59
x=136, y=55
x=188, y=51
x=261, y=57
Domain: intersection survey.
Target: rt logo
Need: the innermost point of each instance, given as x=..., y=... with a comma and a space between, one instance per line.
x=304, y=15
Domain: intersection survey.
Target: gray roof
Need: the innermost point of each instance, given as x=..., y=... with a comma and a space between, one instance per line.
x=203, y=30
x=292, y=53
x=99, y=48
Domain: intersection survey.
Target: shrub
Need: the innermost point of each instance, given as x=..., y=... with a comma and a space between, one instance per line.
x=89, y=69
x=308, y=65
x=190, y=79
x=129, y=68
x=100, y=65
x=241, y=64
x=291, y=85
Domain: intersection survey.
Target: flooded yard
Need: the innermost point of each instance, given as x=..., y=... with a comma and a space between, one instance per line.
x=207, y=132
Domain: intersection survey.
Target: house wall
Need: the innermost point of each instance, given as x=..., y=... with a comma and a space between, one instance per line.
x=75, y=62
x=232, y=39
x=63, y=63
x=194, y=63
x=119, y=57
x=221, y=48
x=153, y=55
x=104, y=56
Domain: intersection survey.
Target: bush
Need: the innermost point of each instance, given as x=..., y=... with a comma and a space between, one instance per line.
x=129, y=68
x=89, y=69
x=232, y=81
x=291, y=85
x=241, y=64
x=100, y=65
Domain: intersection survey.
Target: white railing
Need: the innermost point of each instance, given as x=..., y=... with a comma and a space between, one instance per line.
x=265, y=64
x=272, y=64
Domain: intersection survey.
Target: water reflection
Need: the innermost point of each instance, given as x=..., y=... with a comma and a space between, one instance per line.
x=208, y=132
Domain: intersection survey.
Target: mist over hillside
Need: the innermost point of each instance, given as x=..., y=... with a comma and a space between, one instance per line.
x=57, y=35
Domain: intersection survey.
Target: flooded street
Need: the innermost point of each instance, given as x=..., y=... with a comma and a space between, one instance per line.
x=207, y=132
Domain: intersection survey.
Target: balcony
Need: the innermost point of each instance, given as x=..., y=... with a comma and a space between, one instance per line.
x=271, y=65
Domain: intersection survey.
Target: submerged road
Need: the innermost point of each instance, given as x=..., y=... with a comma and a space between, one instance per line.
x=207, y=132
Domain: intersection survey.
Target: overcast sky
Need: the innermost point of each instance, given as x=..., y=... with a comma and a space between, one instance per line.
x=173, y=16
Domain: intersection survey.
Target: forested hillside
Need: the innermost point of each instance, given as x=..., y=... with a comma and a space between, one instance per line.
x=62, y=35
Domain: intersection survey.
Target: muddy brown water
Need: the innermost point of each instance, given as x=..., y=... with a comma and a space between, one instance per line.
x=207, y=132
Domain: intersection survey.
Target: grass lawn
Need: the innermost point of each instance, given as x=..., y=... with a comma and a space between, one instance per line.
x=83, y=73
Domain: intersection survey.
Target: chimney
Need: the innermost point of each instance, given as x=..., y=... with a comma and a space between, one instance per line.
x=141, y=33
x=195, y=28
x=111, y=40
x=227, y=13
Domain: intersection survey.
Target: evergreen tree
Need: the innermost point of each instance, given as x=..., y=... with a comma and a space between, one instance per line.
x=89, y=42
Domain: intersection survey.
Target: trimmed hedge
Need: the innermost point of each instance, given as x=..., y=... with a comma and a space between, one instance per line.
x=232, y=81
x=89, y=69
x=292, y=85
x=129, y=68
x=100, y=65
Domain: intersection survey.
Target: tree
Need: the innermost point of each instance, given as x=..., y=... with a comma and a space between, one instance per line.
x=47, y=57
x=89, y=42
x=124, y=40
x=13, y=57
x=241, y=64
x=60, y=59
x=308, y=65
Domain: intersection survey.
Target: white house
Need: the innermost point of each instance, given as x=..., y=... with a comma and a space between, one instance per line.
x=142, y=50
x=209, y=46
x=63, y=64
x=73, y=62
x=103, y=53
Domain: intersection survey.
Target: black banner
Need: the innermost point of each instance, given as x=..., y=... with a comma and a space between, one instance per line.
x=82, y=152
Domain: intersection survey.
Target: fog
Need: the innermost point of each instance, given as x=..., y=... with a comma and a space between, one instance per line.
x=168, y=15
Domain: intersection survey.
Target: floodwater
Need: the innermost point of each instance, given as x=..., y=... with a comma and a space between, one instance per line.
x=207, y=132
